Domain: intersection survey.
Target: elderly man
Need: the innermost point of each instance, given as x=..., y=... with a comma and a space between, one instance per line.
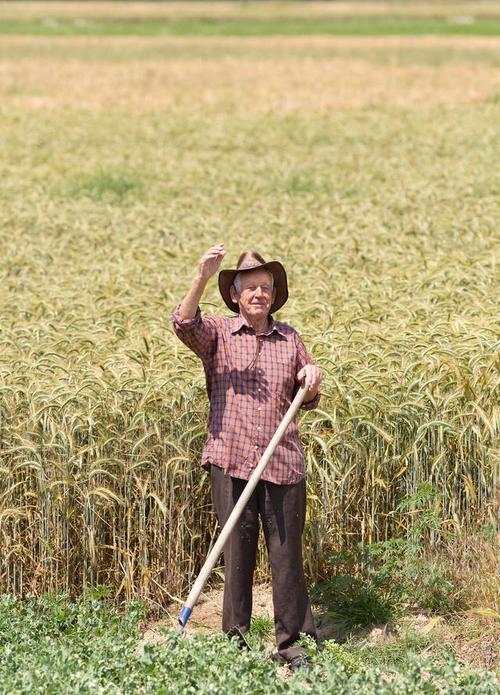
x=253, y=367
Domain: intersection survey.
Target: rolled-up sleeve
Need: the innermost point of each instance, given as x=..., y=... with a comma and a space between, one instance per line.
x=198, y=333
x=304, y=358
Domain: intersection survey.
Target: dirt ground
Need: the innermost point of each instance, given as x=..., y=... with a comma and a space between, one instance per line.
x=472, y=640
x=207, y=616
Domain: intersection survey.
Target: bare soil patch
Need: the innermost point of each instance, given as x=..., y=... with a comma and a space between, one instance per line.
x=207, y=616
x=474, y=640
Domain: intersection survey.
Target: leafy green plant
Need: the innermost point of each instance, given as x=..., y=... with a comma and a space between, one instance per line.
x=55, y=646
x=378, y=583
x=355, y=602
x=261, y=631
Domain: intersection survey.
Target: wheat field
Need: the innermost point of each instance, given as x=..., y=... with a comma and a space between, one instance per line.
x=368, y=166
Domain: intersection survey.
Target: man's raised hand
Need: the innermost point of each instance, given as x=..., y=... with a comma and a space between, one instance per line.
x=209, y=264
x=210, y=261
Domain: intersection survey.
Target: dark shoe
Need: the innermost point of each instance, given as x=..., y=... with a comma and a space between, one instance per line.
x=299, y=663
x=242, y=643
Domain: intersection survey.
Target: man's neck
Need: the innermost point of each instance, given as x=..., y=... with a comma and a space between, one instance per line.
x=259, y=326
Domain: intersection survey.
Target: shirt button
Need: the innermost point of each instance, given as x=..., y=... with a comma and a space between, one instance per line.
x=259, y=390
x=258, y=427
x=259, y=408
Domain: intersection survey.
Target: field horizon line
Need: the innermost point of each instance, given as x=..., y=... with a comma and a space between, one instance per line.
x=242, y=27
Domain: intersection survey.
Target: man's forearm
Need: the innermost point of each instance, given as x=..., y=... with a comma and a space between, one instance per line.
x=189, y=304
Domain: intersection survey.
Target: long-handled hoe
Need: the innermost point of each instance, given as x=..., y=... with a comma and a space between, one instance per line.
x=238, y=508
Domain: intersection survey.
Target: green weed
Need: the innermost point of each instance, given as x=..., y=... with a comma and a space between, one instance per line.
x=104, y=184
x=261, y=631
x=379, y=582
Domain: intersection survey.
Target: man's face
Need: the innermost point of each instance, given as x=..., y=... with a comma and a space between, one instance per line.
x=256, y=294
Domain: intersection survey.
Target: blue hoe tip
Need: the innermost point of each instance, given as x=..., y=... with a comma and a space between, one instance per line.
x=184, y=616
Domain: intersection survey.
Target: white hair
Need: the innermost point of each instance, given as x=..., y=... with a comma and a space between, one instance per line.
x=237, y=281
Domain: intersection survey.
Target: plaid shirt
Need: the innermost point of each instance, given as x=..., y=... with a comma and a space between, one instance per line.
x=251, y=381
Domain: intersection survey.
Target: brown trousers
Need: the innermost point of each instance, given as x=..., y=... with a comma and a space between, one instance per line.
x=282, y=509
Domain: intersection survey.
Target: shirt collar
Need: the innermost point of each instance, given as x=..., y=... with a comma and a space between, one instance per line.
x=240, y=323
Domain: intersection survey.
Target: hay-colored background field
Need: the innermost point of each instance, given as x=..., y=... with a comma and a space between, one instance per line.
x=264, y=75
x=369, y=166
x=248, y=10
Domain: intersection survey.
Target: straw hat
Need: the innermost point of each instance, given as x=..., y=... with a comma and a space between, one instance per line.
x=251, y=260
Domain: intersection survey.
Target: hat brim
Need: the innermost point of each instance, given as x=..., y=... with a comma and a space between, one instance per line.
x=226, y=279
